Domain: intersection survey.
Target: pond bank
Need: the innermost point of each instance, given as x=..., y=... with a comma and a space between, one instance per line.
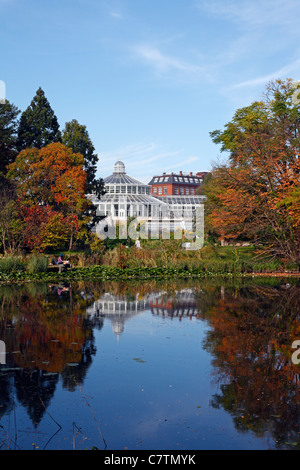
x=115, y=273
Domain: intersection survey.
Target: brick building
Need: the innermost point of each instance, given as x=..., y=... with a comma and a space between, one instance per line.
x=173, y=184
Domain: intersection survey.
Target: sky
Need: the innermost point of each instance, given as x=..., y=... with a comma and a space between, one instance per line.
x=150, y=79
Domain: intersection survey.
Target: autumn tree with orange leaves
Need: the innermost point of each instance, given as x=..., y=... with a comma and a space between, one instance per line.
x=255, y=195
x=51, y=185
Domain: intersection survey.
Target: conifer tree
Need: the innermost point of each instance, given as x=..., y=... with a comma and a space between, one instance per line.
x=8, y=134
x=76, y=137
x=38, y=124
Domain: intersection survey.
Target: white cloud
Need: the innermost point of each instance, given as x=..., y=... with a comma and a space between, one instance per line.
x=116, y=14
x=170, y=66
x=140, y=156
x=163, y=62
x=282, y=73
x=255, y=13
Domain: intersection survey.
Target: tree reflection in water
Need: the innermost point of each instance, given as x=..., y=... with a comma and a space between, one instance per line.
x=253, y=328
x=49, y=336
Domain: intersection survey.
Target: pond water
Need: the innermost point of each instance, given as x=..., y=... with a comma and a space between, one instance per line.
x=187, y=365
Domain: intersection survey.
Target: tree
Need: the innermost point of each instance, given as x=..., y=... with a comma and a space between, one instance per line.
x=11, y=225
x=256, y=193
x=76, y=137
x=51, y=185
x=8, y=134
x=38, y=124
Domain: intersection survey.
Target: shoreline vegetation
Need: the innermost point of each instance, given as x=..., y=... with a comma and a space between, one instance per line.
x=157, y=259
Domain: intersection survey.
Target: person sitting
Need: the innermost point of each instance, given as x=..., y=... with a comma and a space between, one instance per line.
x=54, y=262
x=62, y=261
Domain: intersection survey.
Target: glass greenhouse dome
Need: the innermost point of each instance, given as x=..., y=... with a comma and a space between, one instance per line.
x=127, y=197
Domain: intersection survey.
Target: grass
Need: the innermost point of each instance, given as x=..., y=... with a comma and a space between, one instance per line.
x=157, y=259
x=37, y=264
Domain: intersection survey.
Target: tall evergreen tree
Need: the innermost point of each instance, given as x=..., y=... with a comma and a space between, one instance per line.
x=76, y=137
x=8, y=134
x=38, y=124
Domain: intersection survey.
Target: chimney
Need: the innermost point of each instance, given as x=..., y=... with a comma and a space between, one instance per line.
x=180, y=173
x=191, y=173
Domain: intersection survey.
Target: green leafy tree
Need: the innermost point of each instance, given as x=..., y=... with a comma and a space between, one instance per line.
x=8, y=134
x=76, y=137
x=38, y=124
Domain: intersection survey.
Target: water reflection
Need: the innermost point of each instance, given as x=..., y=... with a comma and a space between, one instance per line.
x=49, y=334
x=119, y=308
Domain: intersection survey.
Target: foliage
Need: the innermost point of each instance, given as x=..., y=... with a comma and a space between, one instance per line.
x=255, y=195
x=11, y=264
x=38, y=124
x=37, y=264
x=50, y=185
x=76, y=137
x=11, y=225
x=8, y=133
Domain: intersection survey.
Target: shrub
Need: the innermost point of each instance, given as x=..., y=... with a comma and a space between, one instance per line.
x=12, y=263
x=37, y=264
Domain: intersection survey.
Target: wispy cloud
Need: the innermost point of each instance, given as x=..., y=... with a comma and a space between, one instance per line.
x=169, y=65
x=164, y=63
x=282, y=73
x=137, y=157
x=116, y=14
x=255, y=13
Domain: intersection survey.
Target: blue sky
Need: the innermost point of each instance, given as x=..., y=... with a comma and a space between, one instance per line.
x=149, y=78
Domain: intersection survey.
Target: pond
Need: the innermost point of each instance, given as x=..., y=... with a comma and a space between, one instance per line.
x=189, y=365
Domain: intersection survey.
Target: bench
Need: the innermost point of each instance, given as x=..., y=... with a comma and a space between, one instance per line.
x=60, y=267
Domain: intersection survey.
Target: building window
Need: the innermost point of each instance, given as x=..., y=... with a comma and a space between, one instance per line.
x=155, y=180
x=160, y=190
x=181, y=190
x=165, y=190
x=176, y=190
x=186, y=191
x=193, y=191
x=155, y=190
